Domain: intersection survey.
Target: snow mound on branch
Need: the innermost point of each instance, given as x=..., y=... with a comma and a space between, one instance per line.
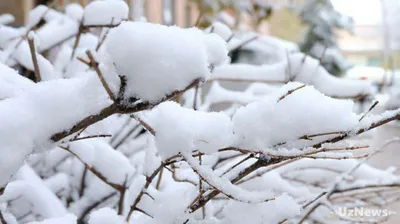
x=181, y=129
x=267, y=122
x=105, y=12
x=281, y=208
x=48, y=108
x=112, y=164
x=74, y=11
x=158, y=60
x=105, y=216
x=299, y=68
x=220, y=29
x=308, y=70
x=12, y=83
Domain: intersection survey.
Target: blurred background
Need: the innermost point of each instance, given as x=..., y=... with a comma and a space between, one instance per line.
x=359, y=35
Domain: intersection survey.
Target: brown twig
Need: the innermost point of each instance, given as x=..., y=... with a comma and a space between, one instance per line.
x=2, y=219
x=369, y=110
x=200, y=202
x=81, y=29
x=121, y=198
x=117, y=187
x=360, y=131
x=100, y=75
x=84, y=61
x=290, y=92
x=118, y=108
x=91, y=136
x=149, y=179
x=159, y=179
x=101, y=41
x=83, y=182
x=32, y=49
x=144, y=124
x=243, y=43
x=93, y=206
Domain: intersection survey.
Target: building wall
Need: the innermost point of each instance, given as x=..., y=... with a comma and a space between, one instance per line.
x=18, y=8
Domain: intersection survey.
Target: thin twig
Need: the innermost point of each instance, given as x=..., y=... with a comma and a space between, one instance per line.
x=84, y=61
x=2, y=219
x=243, y=43
x=91, y=136
x=101, y=41
x=83, y=182
x=144, y=124
x=159, y=179
x=81, y=29
x=100, y=75
x=93, y=206
x=290, y=92
x=32, y=49
x=369, y=110
x=149, y=179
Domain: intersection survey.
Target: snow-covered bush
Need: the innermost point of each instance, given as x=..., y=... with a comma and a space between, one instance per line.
x=120, y=125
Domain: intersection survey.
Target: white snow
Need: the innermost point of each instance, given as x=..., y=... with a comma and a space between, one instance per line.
x=105, y=12
x=74, y=11
x=6, y=19
x=105, y=216
x=158, y=60
x=110, y=163
x=220, y=29
x=30, y=187
x=304, y=112
x=66, y=219
x=36, y=115
x=207, y=132
x=12, y=83
x=299, y=68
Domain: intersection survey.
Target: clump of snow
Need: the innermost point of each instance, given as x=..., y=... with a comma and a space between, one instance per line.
x=32, y=188
x=105, y=216
x=105, y=12
x=6, y=19
x=267, y=122
x=158, y=60
x=112, y=164
x=281, y=208
x=224, y=185
x=206, y=132
x=299, y=68
x=48, y=108
x=35, y=15
x=74, y=11
x=308, y=70
x=220, y=29
x=11, y=83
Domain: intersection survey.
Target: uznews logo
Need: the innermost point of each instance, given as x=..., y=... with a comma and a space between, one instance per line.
x=363, y=212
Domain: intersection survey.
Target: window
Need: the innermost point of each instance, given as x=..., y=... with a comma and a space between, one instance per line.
x=168, y=12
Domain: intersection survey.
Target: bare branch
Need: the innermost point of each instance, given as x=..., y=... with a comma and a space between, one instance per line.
x=32, y=49
x=95, y=65
x=144, y=124
x=290, y=92
x=369, y=110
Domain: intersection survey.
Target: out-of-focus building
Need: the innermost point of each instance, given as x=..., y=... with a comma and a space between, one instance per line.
x=183, y=13
x=365, y=47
